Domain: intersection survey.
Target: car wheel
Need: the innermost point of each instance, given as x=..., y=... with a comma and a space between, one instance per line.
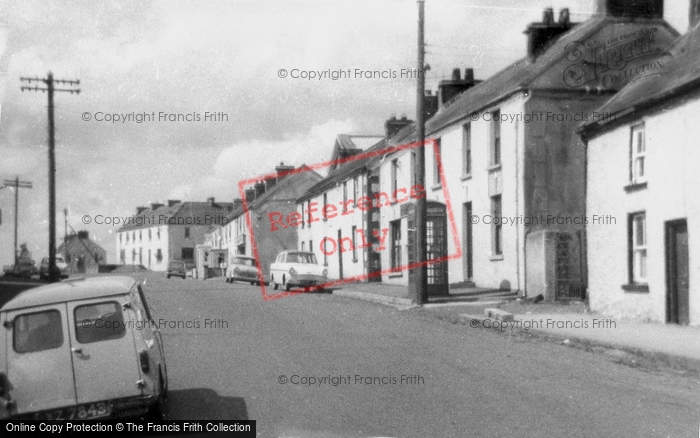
x=287, y=286
x=273, y=283
x=167, y=276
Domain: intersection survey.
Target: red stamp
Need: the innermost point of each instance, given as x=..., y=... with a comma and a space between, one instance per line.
x=376, y=239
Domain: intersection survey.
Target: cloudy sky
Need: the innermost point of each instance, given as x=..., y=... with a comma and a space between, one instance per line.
x=192, y=57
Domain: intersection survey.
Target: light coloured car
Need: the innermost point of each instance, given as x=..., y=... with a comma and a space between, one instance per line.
x=60, y=264
x=81, y=349
x=297, y=269
x=242, y=268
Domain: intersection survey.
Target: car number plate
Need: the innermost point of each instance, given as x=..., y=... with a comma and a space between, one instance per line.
x=80, y=412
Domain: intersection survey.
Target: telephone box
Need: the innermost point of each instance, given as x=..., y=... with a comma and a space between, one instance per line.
x=436, y=247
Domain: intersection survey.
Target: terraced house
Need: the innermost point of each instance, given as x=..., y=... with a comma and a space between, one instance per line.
x=642, y=170
x=161, y=233
x=512, y=166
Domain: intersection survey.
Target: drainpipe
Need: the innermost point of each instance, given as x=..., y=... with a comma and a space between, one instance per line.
x=523, y=292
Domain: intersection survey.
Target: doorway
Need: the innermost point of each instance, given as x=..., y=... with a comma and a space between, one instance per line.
x=677, y=273
x=467, y=257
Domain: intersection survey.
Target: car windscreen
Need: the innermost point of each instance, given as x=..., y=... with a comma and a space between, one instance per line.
x=300, y=257
x=99, y=322
x=242, y=261
x=37, y=331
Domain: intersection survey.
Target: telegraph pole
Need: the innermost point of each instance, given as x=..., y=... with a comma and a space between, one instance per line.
x=49, y=81
x=17, y=184
x=421, y=271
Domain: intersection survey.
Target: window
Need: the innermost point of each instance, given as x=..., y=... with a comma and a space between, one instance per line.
x=354, y=244
x=158, y=233
x=311, y=245
x=302, y=246
x=395, y=244
x=467, y=149
x=159, y=255
x=149, y=235
x=496, y=226
x=140, y=236
x=140, y=256
x=638, y=248
x=345, y=192
x=394, y=175
x=496, y=138
x=413, y=169
x=127, y=237
x=122, y=256
x=133, y=255
x=120, y=238
x=99, y=322
x=308, y=217
x=436, y=162
x=638, y=154
x=187, y=232
x=187, y=253
x=37, y=331
x=325, y=202
x=356, y=188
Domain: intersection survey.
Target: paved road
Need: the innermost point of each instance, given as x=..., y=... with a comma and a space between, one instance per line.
x=468, y=382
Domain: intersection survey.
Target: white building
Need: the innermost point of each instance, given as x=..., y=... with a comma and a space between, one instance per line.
x=642, y=173
x=512, y=165
x=162, y=233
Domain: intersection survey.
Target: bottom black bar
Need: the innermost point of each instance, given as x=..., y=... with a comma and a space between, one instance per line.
x=228, y=428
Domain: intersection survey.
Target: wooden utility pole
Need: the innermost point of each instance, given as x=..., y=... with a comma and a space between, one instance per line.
x=421, y=272
x=49, y=81
x=17, y=184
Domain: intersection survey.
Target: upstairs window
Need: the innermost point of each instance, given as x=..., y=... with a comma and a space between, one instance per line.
x=437, y=164
x=638, y=152
x=467, y=149
x=496, y=138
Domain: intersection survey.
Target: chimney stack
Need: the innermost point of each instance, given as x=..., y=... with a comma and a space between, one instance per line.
x=139, y=210
x=210, y=200
x=394, y=125
x=282, y=171
x=259, y=189
x=694, y=16
x=237, y=203
x=172, y=202
x=540, y=36
x=82, y=234
x=450, y=89
x=249, y=195
x=155, y=206
x=632, y=9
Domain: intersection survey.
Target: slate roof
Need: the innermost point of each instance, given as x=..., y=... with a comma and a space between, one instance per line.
x=184, y=211
x=520, y=76
x=76, y=245
x=680, y=73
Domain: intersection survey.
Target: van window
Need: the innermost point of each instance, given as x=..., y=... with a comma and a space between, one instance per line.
x=99, y=322
x=37, y=331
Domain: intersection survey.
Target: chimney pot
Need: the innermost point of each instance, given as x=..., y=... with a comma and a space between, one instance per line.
x=468, y=75
x=564, y=16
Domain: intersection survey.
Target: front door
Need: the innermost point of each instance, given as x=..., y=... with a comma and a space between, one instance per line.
x=467, y=257
x=677, y=273
x=436, y=248
x=39, y=358
x=103, y=348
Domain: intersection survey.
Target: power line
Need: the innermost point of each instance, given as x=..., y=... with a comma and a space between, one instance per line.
x=49, y=82
x=17, y=184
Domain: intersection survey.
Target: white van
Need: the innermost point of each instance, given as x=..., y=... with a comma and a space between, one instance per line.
x=81, y=349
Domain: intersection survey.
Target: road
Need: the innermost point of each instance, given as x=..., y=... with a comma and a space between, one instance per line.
x=464, y=382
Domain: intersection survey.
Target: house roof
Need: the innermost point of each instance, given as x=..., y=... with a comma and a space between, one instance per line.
x=545, y=72
x=277, y=192
x=71, y=290
x=347, y=145
x=352, y=166
x=678, y=74
x=188, y=213
x=77, y=245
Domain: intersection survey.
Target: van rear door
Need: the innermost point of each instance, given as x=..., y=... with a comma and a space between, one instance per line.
x=39, y=364
x=105, y=361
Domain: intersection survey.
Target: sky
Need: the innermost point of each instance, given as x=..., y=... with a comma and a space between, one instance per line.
x=190, y=58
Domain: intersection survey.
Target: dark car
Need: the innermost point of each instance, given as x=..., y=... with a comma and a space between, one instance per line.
x=178, y=268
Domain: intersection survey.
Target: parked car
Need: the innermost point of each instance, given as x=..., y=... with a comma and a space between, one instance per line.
x=24, y=268
x=297, y=269
x=179, y=268
x=81, y=349
x=242, y=268
x=60, y=264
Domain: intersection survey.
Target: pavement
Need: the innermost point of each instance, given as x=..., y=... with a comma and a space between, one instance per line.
x=567, y=322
